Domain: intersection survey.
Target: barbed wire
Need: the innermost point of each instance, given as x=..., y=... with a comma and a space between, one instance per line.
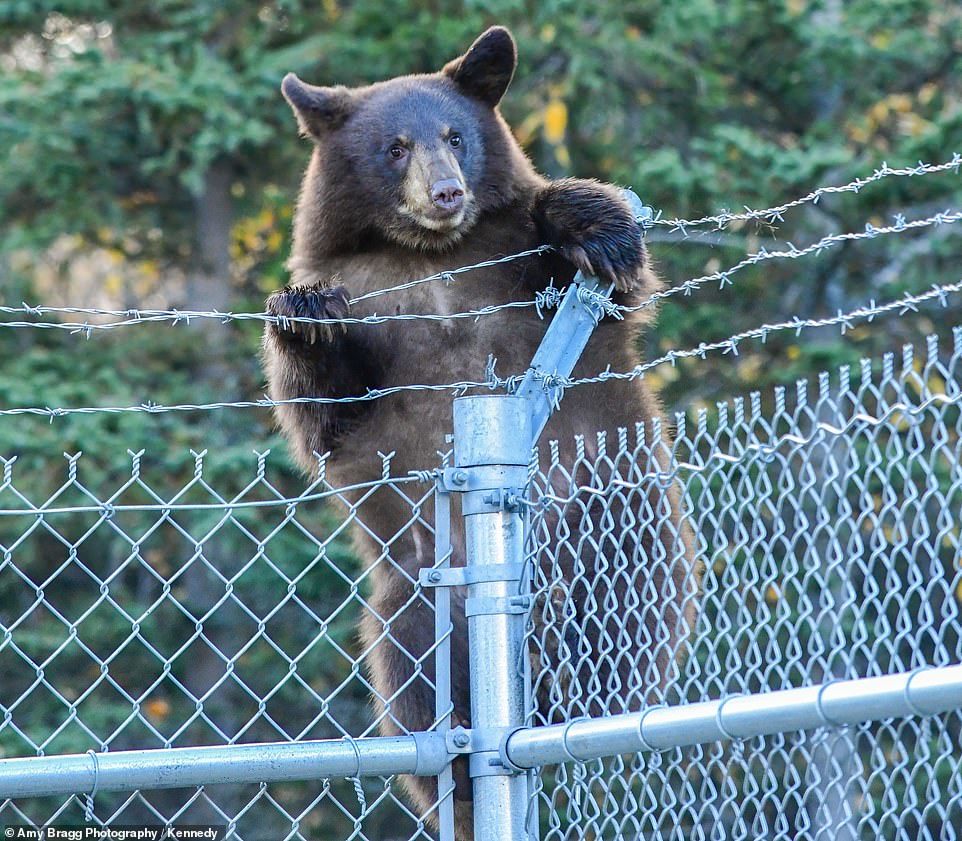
x=185, y=316
x=542, y=300
x=754, y=449
x=132, y=316
x=770, y=215
x=723, y=276
x=549, y=380
x=868, y=312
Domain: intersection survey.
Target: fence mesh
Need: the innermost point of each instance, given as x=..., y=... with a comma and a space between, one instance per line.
x=134, y=619
x=825, y=523
x=828, y=525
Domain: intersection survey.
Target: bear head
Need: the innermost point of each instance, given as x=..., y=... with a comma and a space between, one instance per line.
x=414, y=159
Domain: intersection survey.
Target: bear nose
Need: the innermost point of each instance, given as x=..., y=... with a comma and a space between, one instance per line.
x=448, y=194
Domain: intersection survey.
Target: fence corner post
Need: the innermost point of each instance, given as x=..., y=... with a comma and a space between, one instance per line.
x=492, y=448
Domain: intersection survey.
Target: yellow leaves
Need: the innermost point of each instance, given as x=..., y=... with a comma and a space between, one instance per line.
x=858, y=134
x=772, y=594
x=552, y=120
x=927, y=92
x=331, y=10
x=157, y=708
x=898, y=110
x=548, y=32
x=750, y=368
x=793, y=352
x=555, y=121
x=881, y=40
x=912, y=125
x=113, y=283
x=936, y=385
x=796, y=7
x=897, y=103
x=257, y=233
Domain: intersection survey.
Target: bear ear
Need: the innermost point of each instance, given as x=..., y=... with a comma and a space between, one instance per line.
x=485, y=70
x=317, y=109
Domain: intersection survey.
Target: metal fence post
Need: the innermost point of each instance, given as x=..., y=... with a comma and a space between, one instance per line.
x=492, y=448
x=493, y=439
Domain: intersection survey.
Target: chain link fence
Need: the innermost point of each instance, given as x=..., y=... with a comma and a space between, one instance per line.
x=136, y=620
x=742, y=627
x=826, y=523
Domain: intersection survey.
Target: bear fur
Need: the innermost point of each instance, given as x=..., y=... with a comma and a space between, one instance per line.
x=371, y=214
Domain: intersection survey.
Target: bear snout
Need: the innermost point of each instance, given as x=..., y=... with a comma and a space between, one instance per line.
x=448, y=195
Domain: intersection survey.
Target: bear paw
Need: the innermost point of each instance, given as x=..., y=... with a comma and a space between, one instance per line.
x=321, y=302
x=593, y=228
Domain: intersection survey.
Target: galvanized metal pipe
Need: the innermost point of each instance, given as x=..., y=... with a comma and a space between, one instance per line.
x=921, y=692
x=40, y=776
x=494, y=431
x=924, y=691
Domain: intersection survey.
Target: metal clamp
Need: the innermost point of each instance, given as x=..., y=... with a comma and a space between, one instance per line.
x=462, y=576
x=482, y=477
x=483, y=748
x=490, y=605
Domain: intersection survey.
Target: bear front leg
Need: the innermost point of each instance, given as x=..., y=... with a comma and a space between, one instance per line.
x=593, y=228
x=314, y=360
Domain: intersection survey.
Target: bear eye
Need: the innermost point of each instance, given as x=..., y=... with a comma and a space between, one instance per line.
x=454, y=139
x=397, y=151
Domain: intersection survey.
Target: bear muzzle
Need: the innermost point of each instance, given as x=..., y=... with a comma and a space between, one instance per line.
x=448, y=195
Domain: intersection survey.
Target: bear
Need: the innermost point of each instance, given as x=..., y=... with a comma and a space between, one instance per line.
x=408, y=178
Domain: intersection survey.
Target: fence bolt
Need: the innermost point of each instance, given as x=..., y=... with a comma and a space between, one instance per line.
x=434, y=576
x=459, y=477
x=461, y=739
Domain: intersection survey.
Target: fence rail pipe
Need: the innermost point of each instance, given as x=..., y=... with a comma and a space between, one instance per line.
x=921, y=692
x=40, y=776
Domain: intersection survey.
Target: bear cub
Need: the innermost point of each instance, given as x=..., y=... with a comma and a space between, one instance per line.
x=407, y=178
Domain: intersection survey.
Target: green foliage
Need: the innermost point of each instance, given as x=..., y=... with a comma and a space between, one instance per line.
x=113, y=117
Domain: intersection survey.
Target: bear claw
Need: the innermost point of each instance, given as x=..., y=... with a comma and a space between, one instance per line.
x=594, y=229
x=315, y=302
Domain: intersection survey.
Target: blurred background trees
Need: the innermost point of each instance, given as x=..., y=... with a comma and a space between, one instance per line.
x=149, y=160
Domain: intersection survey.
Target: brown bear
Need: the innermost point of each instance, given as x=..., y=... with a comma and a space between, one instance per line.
x=419, y=175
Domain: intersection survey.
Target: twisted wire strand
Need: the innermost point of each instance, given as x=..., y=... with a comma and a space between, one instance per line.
x=903, y=305
x=185, y=316
x=723, y=276
x=760, y=449
x=542, y=300
x=868, y=312
x=770, y=215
